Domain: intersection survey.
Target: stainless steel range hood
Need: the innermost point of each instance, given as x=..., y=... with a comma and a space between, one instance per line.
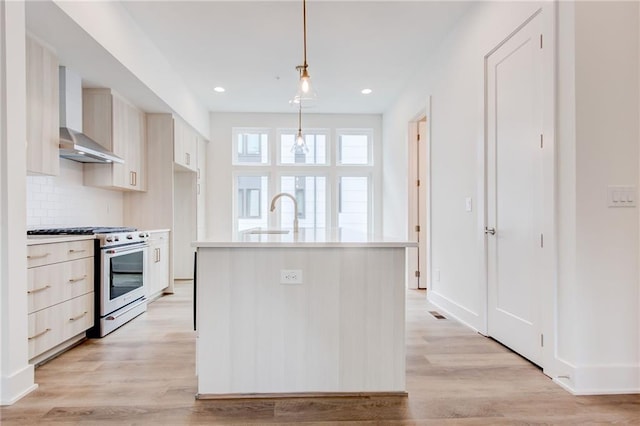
x=75, y=145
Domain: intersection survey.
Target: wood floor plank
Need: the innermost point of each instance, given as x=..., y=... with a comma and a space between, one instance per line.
x=144, y=374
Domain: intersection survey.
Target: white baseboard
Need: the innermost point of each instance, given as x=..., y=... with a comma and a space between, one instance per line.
x=599, y=379
x=455, y=310
x=16, y=386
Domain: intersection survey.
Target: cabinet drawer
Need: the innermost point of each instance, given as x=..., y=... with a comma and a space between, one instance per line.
x=51, y=284
x=45, y=254
x=52, y=326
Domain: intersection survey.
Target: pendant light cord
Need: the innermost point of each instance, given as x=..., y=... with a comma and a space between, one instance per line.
x=304, y=30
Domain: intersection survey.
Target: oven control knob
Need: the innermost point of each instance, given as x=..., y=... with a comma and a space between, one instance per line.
x=141, y=235
x=116, y=238
x=109, y=239
x=129, y=237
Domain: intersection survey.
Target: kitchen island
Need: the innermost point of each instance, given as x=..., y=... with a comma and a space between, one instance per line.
x=311, y=313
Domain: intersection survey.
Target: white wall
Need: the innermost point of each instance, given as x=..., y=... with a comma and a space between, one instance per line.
x=606, y=325
x=454, y=77
x=597, y=323
x=16, y=374
x=219, y=171
x=59, y=201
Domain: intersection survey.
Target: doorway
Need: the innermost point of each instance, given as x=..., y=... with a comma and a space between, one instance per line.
x=417, y=264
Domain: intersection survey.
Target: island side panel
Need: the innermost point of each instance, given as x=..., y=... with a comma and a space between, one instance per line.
x=372, y=319
x=341, y=330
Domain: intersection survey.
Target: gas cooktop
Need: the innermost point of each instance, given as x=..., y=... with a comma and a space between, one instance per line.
x=83, y=230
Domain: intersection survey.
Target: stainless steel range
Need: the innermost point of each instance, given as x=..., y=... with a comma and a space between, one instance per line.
x=120, y=274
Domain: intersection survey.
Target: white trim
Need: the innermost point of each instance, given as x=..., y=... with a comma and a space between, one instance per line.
x=17, y=385
x=454, y=310
x=371, y=160
x=598, y=379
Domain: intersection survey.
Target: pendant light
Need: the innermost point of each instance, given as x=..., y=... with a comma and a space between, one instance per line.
x=300, y=143
x=305, y=95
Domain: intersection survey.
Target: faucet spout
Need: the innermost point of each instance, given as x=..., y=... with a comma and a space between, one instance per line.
x=295, y=208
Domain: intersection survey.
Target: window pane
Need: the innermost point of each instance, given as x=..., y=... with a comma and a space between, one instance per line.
x=352, y=203
x=310, y=192
x=251, y=202
x=354, y=149
x=317, y=144
x=252, y=148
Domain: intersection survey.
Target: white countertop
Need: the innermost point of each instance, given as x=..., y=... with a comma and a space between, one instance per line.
x=318, y=237
x=49, y=239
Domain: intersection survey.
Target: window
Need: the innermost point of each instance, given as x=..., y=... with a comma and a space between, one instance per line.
x=354, y=147
x=353, y=202
x=251, y=201
x=310, y=193
x=316, y=142
x=252, y=146
x=332, y=183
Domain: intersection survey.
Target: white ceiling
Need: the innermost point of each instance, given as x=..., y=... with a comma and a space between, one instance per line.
x=251, y=48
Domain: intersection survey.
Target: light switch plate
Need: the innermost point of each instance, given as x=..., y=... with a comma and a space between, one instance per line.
x=468, y=204
x=621, y=196
x=291, y=276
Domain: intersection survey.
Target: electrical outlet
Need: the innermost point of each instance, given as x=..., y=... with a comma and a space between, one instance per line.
x=436, y=275
x=291, y=276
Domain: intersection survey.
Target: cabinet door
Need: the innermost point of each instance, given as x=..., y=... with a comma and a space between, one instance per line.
x=158, y=264
x=43, y=132
x=185, y=146
x=119, y=126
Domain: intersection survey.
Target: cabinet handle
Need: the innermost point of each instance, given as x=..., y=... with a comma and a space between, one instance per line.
x=38, y=256
x=76, y=251
x=36, y=290
x=198, y=175
x=135, y=178
x=45, y=331
x=198, y=187
x=187, y=158
x=78, y=317
x=132, y=178
x=157, y=255
x=75, y=280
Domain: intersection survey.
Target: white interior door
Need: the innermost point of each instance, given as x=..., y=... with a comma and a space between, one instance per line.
x=514, y=191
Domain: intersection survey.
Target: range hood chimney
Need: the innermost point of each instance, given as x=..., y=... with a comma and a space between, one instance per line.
x=75, y=145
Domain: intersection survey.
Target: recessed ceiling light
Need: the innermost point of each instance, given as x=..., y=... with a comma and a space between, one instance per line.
x=218, y=89
x=366, y=91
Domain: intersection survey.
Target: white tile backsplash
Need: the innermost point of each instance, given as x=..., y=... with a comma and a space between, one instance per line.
x=62, y=201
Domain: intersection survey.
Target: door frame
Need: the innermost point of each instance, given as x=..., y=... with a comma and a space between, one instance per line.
x=548, y=290
x=423, y=220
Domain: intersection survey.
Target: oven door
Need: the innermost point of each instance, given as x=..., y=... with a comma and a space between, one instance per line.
x=123, y=276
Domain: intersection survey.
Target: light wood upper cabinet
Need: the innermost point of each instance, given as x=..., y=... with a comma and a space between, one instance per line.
x=43, y=122
x=185, y=145
x=120, y=127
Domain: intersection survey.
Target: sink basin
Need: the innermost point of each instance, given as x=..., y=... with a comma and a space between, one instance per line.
x=268, y=231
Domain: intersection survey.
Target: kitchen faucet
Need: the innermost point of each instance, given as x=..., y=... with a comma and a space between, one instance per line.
x=295, y=208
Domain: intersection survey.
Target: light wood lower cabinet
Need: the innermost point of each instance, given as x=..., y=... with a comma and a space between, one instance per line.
x=50, y=327
x=158, y=264
x=60, y=294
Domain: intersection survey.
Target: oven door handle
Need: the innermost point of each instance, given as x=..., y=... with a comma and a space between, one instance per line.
x=126, y=249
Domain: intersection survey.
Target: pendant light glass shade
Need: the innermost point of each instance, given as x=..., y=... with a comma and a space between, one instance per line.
x=306, y=94
x=300, y=143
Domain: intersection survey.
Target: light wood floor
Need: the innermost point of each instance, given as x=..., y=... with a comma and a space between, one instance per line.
x=143, y=374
